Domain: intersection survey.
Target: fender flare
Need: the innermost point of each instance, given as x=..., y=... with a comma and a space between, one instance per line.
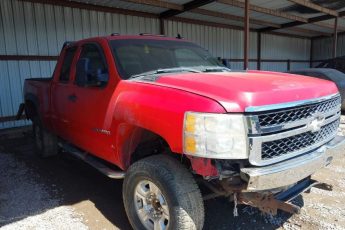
x=127, y=144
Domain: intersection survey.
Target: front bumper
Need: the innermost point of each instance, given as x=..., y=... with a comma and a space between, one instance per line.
x=291, y=171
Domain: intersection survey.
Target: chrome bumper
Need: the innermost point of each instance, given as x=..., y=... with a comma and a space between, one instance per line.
x=291, y=171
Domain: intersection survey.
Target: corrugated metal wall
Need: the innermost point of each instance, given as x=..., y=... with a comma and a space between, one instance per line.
x=221, y=42
x=228, y=43
x=37, y=29
x=323, y=48
x=278, y=47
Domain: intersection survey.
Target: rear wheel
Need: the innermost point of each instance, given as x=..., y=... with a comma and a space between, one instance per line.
x=160, y=193
x=45, y=142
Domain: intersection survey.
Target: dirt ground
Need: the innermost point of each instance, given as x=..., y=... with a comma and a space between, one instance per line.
x=64, y=193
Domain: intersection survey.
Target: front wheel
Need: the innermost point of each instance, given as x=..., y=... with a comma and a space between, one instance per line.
x=160, y=193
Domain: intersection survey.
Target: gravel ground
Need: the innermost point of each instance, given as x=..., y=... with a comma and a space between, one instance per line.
x=27, y=204
x=64, y=193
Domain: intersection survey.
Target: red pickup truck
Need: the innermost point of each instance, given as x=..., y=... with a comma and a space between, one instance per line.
x=166, y=116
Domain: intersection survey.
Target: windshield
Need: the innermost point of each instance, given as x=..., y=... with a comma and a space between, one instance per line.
x=139, y=57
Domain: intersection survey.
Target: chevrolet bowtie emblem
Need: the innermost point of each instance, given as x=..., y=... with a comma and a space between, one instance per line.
x=317, y=122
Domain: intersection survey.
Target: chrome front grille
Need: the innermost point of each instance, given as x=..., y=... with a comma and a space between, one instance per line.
x=298, y=142
x=280, y=132
x=291, y=115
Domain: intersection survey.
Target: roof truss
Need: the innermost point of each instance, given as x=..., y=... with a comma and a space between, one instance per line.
x=316, y=7
x=297, y=20
x=193, y=6
x=185, y=7
x=263, y=10
x=158, y=3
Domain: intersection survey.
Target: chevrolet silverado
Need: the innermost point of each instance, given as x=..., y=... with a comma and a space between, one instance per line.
x=168, y=118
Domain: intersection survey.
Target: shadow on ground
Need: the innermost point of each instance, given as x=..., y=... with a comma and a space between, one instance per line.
x=76, y=182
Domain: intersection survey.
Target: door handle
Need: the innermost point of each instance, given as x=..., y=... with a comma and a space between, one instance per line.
x=72, y=97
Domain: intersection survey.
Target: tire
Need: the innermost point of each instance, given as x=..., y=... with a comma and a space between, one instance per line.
x=180, y=205
x=45, y=142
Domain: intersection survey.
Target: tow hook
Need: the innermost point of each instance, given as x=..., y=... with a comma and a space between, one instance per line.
x=267, y=203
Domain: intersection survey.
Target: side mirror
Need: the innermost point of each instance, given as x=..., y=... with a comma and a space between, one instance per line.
x=82, y=71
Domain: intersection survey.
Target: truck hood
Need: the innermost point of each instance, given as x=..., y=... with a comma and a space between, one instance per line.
x=236, y=91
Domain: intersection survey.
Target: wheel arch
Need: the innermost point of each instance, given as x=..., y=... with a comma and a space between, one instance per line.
x=139, y=143
x=31, y=106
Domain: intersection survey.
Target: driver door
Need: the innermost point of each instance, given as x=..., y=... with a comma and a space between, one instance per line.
x=91, y=99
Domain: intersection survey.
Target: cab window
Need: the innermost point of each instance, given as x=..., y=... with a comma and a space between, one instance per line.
x=92, y=69
x=66, y=65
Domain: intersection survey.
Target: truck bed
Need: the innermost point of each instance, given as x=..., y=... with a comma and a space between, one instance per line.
x=37, y=90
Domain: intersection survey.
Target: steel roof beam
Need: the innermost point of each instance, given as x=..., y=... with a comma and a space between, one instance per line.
x=87, y=6
x=158, y=3
x=330, y=26
x=307, y=31
x=174, y=6
x=263, y=10
x=185, y=7
x=277, y=13
x=316, y=7
x=295, y=23
x=233, y=17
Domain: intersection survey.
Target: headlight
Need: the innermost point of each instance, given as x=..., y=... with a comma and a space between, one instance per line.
x=219, y=136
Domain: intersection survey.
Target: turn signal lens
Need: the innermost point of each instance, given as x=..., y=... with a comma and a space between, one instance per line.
x=190, y=123
x=190, y=144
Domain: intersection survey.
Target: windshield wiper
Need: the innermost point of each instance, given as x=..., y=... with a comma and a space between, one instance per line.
x=166, y=70
x=216, y=69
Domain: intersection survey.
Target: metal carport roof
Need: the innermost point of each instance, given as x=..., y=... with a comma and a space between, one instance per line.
x=265, y=15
